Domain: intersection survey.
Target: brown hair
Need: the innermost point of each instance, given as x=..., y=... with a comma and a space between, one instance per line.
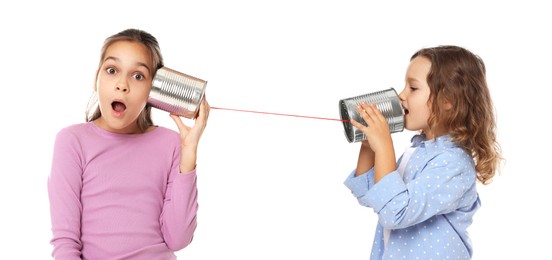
x=133, y=35
x=457, y=77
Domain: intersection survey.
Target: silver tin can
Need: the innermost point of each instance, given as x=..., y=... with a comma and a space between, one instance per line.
x=387, y=101
x=176, y=92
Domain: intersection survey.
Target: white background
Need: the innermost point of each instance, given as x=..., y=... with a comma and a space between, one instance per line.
x=271, y=186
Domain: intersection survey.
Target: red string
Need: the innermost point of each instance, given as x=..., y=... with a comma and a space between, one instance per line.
x=278, y=114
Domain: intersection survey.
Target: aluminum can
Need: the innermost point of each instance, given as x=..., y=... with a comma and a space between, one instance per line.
x=387, y=101
x=176, y=92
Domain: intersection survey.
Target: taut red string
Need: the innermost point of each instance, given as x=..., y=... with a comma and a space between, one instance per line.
x=278, y=114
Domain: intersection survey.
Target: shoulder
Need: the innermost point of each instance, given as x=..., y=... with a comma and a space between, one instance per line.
x=442, y=156
x=452, y=156
x=72, y=131
x=166, y=134
x=70, y=139
x=443, y=148
x=75, y=127
x=451, y=164
x=164, y=131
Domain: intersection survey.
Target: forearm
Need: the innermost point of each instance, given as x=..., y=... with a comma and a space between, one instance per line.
x=188, y=159
x=179, y=211
x=365, y=159
x=385, y=163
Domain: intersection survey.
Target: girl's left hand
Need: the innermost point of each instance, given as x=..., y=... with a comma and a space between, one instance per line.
x=190, y=136
x=377, y=130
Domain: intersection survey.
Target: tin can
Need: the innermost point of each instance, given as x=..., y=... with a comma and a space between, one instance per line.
x=176, y=92
x=387, y=101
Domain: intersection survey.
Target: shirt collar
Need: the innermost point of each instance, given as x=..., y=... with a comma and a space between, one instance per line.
x=419, y=140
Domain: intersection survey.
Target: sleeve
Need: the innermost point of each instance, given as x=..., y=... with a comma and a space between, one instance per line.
x=439, y=188
x=64, y=189
x=178, y=218
x=359, y=185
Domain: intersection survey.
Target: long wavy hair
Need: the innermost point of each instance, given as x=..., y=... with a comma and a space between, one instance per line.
x=458, y=77
x=133, y=35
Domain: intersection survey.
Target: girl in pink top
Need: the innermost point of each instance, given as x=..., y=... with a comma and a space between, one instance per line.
x=121, y=187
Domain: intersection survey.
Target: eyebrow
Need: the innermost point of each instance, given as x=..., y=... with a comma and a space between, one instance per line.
x=412, y=79
x=137, y=63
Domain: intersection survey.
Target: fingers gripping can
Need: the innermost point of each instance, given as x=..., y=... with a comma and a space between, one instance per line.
x=176, y=92
x=387, y=101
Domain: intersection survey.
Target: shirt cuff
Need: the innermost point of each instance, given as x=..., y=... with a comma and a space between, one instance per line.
x=384, y=191
x=359, y=185
x=190, y=172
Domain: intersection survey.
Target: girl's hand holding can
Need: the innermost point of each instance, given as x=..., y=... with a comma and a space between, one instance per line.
x=376, y=130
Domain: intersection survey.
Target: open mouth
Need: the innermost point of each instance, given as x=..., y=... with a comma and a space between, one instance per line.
x=405, y=111
x=118, y=106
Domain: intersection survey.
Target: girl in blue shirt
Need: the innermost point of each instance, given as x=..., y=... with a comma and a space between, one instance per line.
x=426, y=201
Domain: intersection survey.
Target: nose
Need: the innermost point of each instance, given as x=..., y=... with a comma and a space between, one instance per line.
x=122, y=85
x=402, y=95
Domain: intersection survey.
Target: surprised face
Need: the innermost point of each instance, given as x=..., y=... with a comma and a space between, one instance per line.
x=123, y=85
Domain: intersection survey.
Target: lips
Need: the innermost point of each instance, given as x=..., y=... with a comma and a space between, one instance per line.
x=118, y=106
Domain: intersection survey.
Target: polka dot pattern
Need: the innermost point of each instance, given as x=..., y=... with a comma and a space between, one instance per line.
x=428, y=209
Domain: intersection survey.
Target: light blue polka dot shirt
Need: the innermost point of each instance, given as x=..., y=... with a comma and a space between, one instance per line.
x=427, y=210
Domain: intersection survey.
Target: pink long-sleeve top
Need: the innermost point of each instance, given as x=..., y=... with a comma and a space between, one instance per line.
x=118, y=196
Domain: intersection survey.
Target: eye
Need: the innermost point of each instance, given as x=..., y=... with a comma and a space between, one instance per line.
x=110, y=70
x=138, y=76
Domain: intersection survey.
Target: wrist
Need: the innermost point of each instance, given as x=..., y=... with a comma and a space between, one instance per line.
x=188, y=148
x=366, y=147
